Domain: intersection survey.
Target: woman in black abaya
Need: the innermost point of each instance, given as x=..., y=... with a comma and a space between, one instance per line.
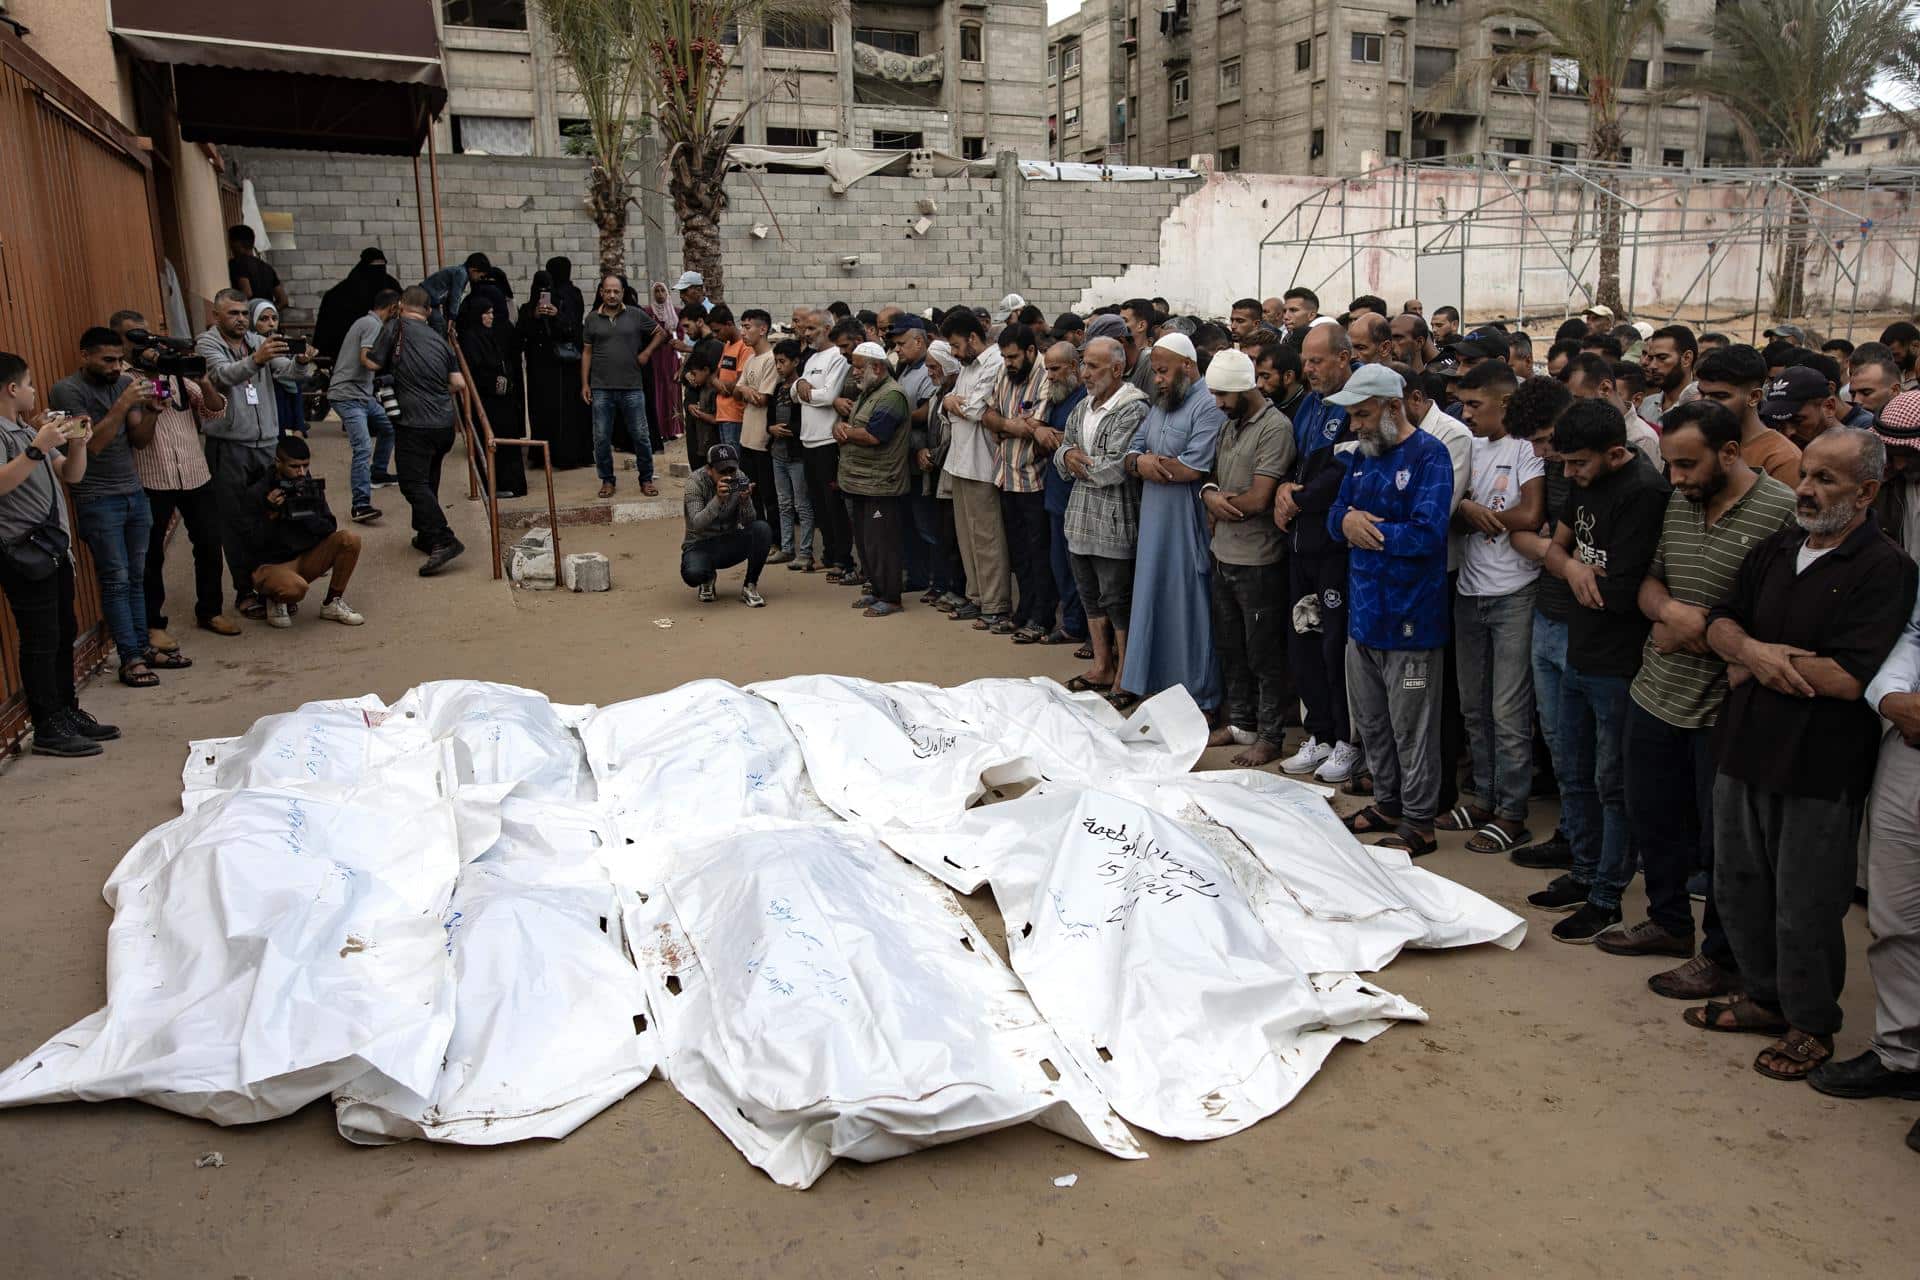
x=549, y=331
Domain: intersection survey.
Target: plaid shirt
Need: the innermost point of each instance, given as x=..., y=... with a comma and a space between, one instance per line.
x=1015, y=468
x=1103, y=511
x=175, y=457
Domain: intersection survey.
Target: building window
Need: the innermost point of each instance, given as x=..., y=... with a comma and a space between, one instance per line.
x=898, y=140
x=496, y=15
x=1853, y=148
x=907, y=42
x=1432, y=64
x=1563, y=151
x=492, y=136
x=1230, y=79
x=1229, y=159
x=1303, y=56
x=1072, y=120
x=1070, y=60
x=730, y=33
x=1132, y=116
x=1626, y=155
x=788, y=33
x=1133, y=29
x=1893, y=142
x=1179, y=89
x=1673, y=158
x=1368, y=48
x=970, y=50
x=784, y=137
x=1636, y=74
x=576, y=136
x=1317, y=145
x=1563, y=76
x=1053, y=62
x=1433, y=148
x=1518, y=78
x=1393, y=143
x=1673, y=74
x=973, y=147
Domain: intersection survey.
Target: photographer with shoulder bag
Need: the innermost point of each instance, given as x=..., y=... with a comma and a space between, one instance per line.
x=36, y=560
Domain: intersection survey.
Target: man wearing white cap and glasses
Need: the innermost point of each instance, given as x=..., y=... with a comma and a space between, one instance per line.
x=1170, y=640
x=874, y=441
x=1392, y=512
x=1251, y=611
x=692, y=288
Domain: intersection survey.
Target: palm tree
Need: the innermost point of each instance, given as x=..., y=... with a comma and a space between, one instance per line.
x=678, y=54
x=1795, y=76
x=599, y=41
x=1601, y=36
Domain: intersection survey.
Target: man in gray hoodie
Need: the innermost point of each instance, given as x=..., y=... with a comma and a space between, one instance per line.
x=240, y=441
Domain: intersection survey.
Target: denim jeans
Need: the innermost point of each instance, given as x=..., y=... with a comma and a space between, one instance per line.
x=919, y=536
x=796, y=505
x=1670, y=774
x=1493, y=648
x=630, y=405
x=1593, y=787
x=1073, y=615
x=363, y=420
x=729, y=432
x=116, y=530
x=1549, y=669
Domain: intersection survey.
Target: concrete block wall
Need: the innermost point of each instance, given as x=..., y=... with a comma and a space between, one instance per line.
x=520, y=212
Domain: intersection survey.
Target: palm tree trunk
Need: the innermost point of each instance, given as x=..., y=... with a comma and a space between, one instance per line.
x=1789, y=282
x=695, y=179
x=1603, y=146
x=607, y=201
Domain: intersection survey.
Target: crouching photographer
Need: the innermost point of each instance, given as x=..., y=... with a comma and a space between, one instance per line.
x=722, y=530
x=297, y=541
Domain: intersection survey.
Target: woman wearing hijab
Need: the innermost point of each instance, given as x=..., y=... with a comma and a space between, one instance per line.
x=347, y=301
x=265, y=318
x=663, y=367
x=492, y=349
x=549, y=333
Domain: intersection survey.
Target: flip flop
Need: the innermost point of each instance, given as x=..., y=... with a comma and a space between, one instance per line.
x=1793, y=1056
x=1458, y=818
x=1057, y=636
x=140, y=679
x=168, y=660
x=1493, y=838
x=1738, y=1015
x=1084, y=652
x=1029, y=635
x=1121, y=700
x=881, y=609
x=1414, y=844
x=1374, y=820
x=1080, y=684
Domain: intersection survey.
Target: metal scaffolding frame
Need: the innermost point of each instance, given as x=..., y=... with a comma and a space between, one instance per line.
x=1551, y=211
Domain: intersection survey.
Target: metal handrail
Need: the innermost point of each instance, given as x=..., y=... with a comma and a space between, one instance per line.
x=478, y=431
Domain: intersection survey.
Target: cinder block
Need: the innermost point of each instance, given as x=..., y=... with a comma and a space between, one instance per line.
x=588, y=571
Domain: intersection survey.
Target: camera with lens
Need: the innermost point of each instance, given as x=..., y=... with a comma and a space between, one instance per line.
x=153, y=353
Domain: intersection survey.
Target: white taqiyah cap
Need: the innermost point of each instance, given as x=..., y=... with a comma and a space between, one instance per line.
x=871, y=351
x=1180, y=344
x=1230, y=370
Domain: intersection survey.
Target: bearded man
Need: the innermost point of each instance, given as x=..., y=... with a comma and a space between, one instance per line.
x=873, y=473
x=1392, y=513
x=1898, y=507
x=1814, y=612
x=1171, y=636
x=1103, y=508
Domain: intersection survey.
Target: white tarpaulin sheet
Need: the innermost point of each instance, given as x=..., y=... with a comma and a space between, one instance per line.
x=476, y=916
x=1156, y=969
x=917, y=755
x=820, y=999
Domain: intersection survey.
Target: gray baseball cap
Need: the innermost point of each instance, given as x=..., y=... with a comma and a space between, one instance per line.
x=1369, y=382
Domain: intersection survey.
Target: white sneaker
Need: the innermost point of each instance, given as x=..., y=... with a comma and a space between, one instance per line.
x=341, y=612
x=1340, y=765
x=1310, y=756
x=277, y=615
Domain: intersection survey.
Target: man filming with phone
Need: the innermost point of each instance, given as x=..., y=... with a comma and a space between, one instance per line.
x=722, y=529
x=240, y=441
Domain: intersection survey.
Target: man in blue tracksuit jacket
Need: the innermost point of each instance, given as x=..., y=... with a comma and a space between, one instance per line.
x=1392, y=513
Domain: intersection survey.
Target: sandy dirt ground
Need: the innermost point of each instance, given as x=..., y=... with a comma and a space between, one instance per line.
x=1553, y=1117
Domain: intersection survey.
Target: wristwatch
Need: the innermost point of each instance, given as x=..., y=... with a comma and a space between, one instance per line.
x=35, y=452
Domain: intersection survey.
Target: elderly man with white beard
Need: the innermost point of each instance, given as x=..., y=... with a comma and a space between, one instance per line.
x=1392, y=513
x=1102, y=519
x=1171, y=635
x=874, y=440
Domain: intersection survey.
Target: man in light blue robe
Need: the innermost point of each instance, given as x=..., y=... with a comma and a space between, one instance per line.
x=1171, y=638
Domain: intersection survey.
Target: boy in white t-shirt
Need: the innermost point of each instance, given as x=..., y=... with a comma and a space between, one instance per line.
x=1493, y=614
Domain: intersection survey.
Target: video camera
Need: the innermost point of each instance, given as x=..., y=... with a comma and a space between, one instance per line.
x=152, y=353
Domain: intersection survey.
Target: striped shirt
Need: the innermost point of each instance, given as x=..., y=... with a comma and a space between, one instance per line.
x=175, y=458
x=1015, y=468
x=1699, y=564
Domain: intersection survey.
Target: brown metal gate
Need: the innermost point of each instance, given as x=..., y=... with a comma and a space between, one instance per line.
x=77, y=242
